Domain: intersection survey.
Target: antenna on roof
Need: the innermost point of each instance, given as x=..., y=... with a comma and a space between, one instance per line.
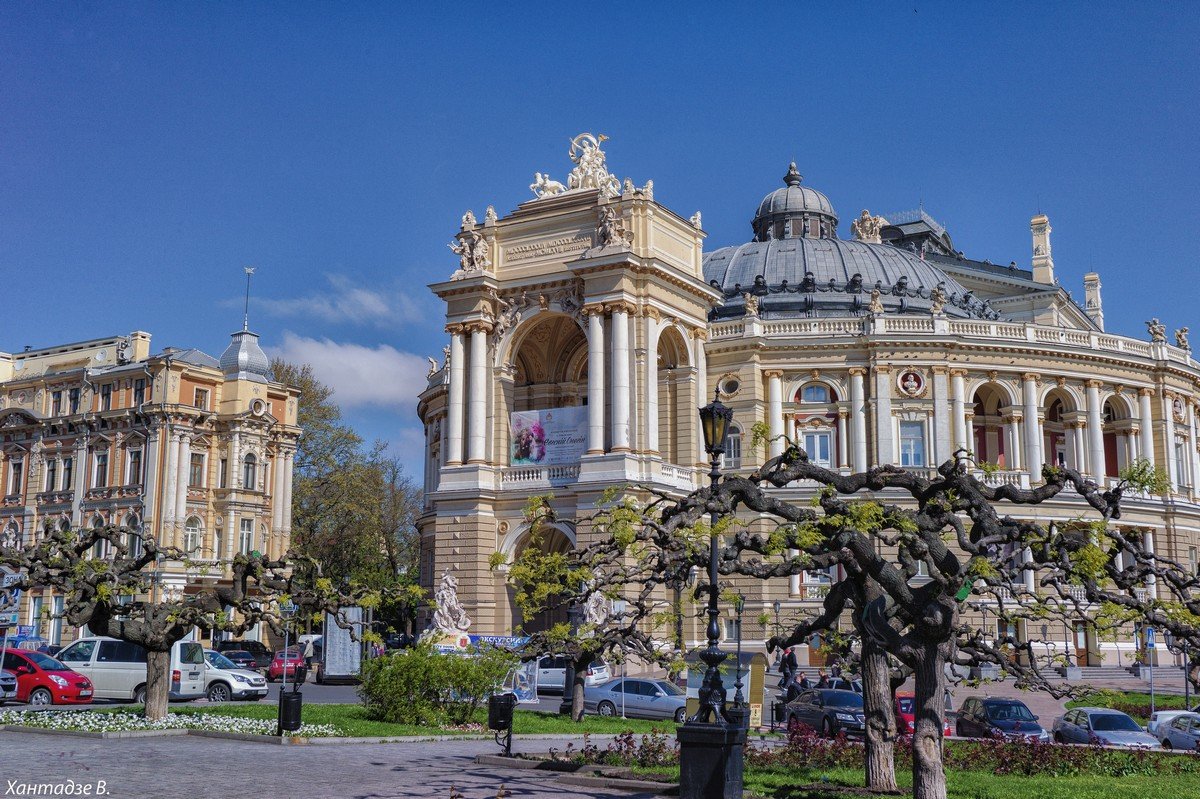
x=246, y=311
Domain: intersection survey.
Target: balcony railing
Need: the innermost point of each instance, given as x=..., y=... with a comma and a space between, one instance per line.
x=55, y=497
x=540, y=475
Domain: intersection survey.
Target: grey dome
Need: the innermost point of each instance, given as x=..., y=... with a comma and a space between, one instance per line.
x=803, y=277
x=794, y=198
x=243, y=359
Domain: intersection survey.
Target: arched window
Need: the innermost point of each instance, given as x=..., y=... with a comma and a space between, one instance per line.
x=102, y=548
x=250, y=472
x=733, y=447
x=191, y=536
x=133, y=535
x=815, y=393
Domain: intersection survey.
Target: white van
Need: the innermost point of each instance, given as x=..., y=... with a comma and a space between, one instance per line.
x=117, y=669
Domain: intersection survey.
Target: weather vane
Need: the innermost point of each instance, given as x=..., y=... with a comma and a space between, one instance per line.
x=246, y=312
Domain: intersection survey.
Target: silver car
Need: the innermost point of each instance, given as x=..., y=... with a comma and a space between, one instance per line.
x=1091, y=725
x=8, y=686
x=552, y=673
x=224, y=681
x=641, y=698
x=1181, y=732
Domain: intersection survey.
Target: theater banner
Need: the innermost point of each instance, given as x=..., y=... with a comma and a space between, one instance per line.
x=548, y=437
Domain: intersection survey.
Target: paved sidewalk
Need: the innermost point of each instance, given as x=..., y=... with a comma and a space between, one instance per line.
x=189, y=767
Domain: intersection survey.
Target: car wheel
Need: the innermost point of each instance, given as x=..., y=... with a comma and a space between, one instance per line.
x=1058, y=739
x=139, y=695
x=41, y=697
x=1166, y=744
x=607, y=709
x=219, y=692
x=793, y=725
x=681, y=715
x=827, y=728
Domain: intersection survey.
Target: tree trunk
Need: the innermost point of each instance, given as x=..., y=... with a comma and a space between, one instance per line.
x=577, y=697
x=929, y=776
x=158, y=684
x=879, y=707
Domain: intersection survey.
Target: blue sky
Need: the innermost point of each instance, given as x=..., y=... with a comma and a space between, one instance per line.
x=149, y=151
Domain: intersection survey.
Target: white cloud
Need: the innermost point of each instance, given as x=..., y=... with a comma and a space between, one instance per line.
x=345, y=302
x=380, y=376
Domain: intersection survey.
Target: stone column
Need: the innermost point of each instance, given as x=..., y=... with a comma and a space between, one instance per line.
x=885, y=443
x=858, y=419
x=620, y=377
x=1148, y=545
x=229, y=540
x=1030, y=574
x=171, y=500
x=1169, y=442
x=150, y=490
x=277, y=493
x=944, y=437
x=1013, y=444
x=1146, y=422
x=958, y=406
x=650, y=382
x=699, y=335
x=1095, y=431
x=181, y=485
x=289, y=459
x=477, y=399
x=842, y=448
x=775, y=409
x=1033, y=429
x=454, y=413
x=1194, y=455
x=595, y=315
x=235, y=460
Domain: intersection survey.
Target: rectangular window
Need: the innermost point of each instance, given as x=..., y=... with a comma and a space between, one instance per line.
x=56, y=403
x=133, y=472
x=196, y=470
x=816, y=445
x=733, y=448
x=1193, y=560
x=73, y=401
x=35, y=613
x=100, y=474
x=56, y=622
x=224, y=472
x=51, y=475
x=912, y=443
x=246, y=537
x=201, y=400
x=17, y=468
x=1180, y=465
x=106, y=397
x=139, y=391
x=732, y=630
x=68, y=473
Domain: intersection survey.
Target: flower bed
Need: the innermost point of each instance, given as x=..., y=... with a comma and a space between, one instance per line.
x=92, y=721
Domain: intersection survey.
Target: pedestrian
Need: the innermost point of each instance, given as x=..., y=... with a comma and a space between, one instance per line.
x=797, y=686
x=822, y=679
x=308, y=658
x=788, y=666
x=836, y=670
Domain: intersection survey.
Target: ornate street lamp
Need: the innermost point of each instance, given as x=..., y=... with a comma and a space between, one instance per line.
x=715, y=418
x=739, y=605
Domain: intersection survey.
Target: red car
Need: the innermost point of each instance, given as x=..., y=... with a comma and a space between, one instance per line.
x=906, y=719
x=290, y=659
x=42, y=680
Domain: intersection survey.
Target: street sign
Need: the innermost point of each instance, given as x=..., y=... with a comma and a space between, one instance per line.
x=1150, y=638
x=8, y=619
x=10, y=597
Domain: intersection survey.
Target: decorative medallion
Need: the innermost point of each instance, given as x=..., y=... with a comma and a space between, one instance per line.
x=911, y=383
x=1178, y=410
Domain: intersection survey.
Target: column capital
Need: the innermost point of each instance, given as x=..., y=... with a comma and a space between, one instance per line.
x=650, y=312
x=858, y=371
x=1145, y=392
x=958, y=372
x=883, y=368
x=940, y=370
x=620, y=306
x=699, y=333
x=592, y=309
x=770, y=373
x=1097, y=384
x=843, y=413
x=455, y=328
x=478, y=326
x=1031, y=377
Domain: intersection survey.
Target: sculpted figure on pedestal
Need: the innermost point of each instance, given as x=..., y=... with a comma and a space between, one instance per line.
x=543, y=186
x=449, y=615
x=1158, y=331
x=472, y=251
x=867, y=228
x=591, y=171
x=1181, y=339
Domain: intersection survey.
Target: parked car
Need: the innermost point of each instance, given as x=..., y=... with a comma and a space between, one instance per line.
x=1161, y=718
x=637, y=698
x=993, y=717
x=1089, y=725
x=117, y=668
x=262, y=654
x=240, y=658
x=906, y=717
x=828, y=711
x=223, y=680
x=8, y=686
x=1182, y=733
x=290, y=661
x=552, y=671
x=42, y=680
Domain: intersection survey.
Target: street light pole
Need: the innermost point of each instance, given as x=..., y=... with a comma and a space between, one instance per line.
x=739, y=604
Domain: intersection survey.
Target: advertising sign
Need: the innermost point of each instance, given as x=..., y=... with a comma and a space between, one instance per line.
x=548, y=437
x=10, y=597
x=342, y=654
x=523, y=682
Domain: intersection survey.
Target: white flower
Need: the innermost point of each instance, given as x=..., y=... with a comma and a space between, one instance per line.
x=121, y=721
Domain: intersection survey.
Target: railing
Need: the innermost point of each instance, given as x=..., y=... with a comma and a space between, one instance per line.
x=908, y=324
x=12, y=500
x=814, y=591
x=540, y=474
x=55, y=497
x=1141, y=594
x=677, y=475
x=1004, y=477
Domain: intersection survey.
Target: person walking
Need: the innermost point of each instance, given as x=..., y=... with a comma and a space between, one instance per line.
x=788, y=666
x=797, y=686
x=822, y=679
x=308, y=658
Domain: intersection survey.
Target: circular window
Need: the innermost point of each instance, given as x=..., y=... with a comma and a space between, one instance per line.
x=258, y=407
x=730, y=385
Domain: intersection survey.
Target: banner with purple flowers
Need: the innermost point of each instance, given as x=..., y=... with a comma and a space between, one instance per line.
x=548, y=437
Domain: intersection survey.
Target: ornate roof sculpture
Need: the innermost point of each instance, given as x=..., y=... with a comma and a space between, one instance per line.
x=797, y=266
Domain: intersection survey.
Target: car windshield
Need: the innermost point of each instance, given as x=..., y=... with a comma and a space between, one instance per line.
x=45, y=662
x=290, y=654
x=1009, y=711
x=240, y=654
x=1114, y=722
x=842, y=699
x=905, y=704
x=670, y=688
x=219, y=661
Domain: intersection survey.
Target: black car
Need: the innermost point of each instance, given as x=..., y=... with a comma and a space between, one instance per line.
x=828, y=711
x=262, y=655
x=994, y=717
x=242, y=659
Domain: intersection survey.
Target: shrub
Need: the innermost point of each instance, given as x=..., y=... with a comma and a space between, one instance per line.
x=425, y=687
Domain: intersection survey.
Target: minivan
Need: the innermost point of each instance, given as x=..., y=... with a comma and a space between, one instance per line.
x=117, y=669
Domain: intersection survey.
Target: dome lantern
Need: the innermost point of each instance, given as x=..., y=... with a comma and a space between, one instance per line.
x=794, y=211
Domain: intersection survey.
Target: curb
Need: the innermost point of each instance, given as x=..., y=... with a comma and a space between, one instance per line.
x=641, y=786
x=100, y=735
x=570, y=774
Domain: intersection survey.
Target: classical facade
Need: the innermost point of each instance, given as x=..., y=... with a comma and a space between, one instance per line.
x=594, y=302
x=191, y=450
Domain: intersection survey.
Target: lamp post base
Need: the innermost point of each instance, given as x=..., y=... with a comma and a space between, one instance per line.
x=710, y=760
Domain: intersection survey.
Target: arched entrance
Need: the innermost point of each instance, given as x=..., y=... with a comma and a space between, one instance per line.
x=676, y=389
x=988, y=434
x=548, y=540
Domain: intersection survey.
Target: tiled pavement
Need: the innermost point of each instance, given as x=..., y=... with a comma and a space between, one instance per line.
x=190, y=767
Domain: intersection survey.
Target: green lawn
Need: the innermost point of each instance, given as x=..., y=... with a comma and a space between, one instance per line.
x=806, y=784
x=353, y=721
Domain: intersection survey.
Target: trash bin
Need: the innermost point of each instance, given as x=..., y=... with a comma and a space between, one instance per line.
x=290, y=703
x=777, y=712
x=500, y=711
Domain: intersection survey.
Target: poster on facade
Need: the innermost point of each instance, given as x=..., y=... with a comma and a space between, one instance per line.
x=548, y=437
